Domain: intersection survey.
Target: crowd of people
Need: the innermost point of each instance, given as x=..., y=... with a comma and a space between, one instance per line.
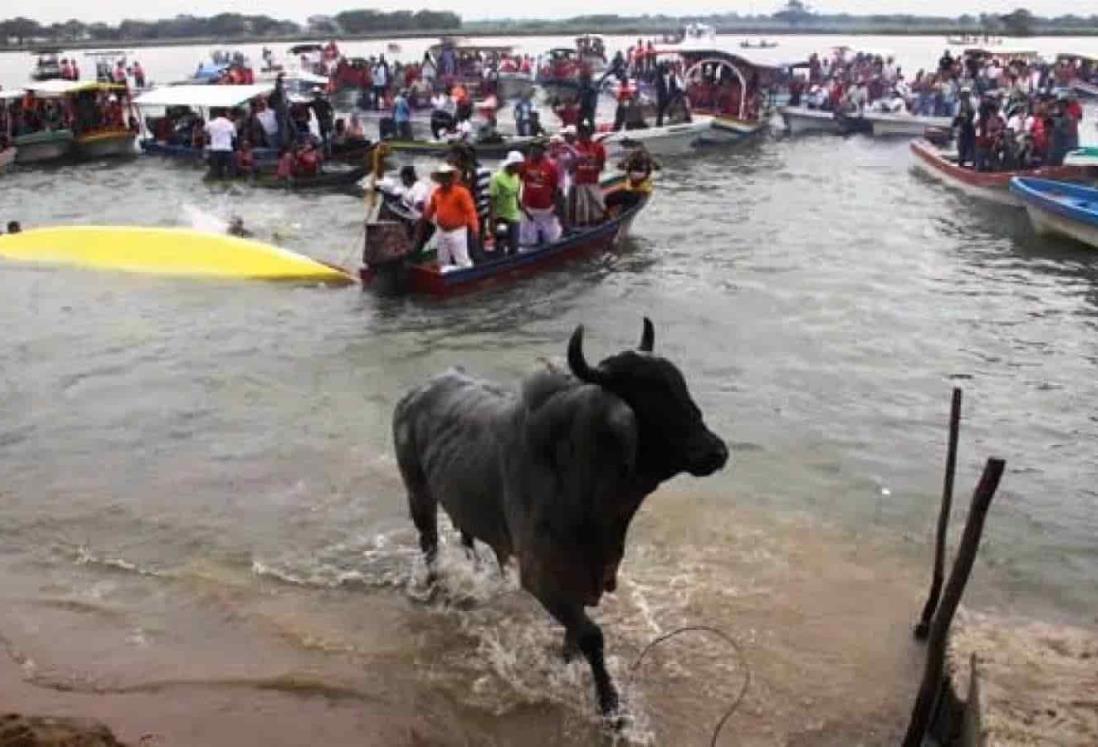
x=1008, y=111
x=474, y=214
x=82, y=112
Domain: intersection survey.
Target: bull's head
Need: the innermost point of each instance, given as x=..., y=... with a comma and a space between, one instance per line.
x=673, y=437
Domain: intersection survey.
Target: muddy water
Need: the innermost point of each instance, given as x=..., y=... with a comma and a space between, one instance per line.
x=203, y=536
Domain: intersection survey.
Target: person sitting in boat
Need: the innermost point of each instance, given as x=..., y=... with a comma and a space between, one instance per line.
x=244, y=163
x=354, y=133
x=285, y=169
x=989, y=135
x=307, y=160
x=540, y=197
x=454, y=215
x=442, y=114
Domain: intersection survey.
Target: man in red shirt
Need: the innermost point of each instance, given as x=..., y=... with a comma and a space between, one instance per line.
x=590, y=161
x=540, y=189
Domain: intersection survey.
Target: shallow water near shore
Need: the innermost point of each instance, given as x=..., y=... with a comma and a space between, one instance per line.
x=200, y=513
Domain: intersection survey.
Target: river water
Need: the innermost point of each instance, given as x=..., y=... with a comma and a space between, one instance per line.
x=202, y=522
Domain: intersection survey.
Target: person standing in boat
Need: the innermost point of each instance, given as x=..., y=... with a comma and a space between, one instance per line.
x=454, y=215
x=402, y=115
x=325, y=119
x=588, y=96
x=590, y=161
x=220, y=130
x=540, y=193
x=138, y=75
x=965, y=124
x=504, y=212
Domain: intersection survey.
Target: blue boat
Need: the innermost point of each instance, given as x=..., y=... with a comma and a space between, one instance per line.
x=1059, y=208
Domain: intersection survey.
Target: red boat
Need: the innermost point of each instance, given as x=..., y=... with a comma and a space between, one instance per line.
x=422, y=275
x=989, y=185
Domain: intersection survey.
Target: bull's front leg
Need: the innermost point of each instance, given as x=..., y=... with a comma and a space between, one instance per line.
x=587, y=636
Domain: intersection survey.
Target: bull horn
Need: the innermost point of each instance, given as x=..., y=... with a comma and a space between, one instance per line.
x=578, y=363
x=648, y=337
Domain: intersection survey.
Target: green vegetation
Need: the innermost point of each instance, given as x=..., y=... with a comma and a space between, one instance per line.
x=795, y=16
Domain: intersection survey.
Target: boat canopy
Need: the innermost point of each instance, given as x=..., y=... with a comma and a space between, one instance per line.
x=202, y=95
x=58, y=88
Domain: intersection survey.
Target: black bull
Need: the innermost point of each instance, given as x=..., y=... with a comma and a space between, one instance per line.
x=553, y=474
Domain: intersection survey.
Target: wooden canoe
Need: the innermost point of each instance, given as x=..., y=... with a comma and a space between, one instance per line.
x=993, y=186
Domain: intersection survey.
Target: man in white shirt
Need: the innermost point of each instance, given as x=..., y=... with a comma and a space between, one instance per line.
x=220, y=130
x=268, y=120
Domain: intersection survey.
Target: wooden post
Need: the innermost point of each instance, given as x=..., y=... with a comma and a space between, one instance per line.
x=923, y=627
x=958, y=577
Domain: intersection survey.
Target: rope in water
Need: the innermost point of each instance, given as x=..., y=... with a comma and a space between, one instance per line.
x=727, y=639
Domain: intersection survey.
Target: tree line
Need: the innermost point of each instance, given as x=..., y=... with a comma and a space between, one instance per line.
x=794, y=15
x=22, y=30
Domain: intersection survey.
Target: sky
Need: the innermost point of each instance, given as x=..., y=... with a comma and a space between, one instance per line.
x=112, y=11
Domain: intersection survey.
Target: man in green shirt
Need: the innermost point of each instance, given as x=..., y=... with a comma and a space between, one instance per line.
x=503, y=209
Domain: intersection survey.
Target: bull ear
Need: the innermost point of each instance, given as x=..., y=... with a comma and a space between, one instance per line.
x=578, y=363
x=648, y=337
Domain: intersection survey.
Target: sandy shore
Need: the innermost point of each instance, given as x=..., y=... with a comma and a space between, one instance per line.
x=823, y=618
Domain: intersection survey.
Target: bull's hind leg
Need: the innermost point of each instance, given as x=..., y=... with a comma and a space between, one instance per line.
x=423, y=508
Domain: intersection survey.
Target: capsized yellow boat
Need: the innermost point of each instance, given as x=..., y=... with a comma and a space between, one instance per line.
x=165, y=251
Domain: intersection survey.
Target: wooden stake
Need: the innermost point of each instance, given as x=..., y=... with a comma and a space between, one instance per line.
x=923, y=628
x=943, y=619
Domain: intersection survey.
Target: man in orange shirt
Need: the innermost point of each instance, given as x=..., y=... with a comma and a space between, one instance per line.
x=453, y=212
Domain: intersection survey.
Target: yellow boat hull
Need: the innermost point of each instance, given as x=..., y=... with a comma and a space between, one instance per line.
x=165, y=251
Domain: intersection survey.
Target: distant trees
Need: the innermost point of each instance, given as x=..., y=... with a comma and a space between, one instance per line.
x=20, y=29
x=223, y=26
x=1018, y=23
x=365, y=21
x=795, y=12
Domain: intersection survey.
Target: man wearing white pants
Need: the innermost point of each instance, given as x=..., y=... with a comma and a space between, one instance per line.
x=454, y=214
x=540, y=189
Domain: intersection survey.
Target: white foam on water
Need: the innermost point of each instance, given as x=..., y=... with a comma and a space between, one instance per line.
x=200, y=220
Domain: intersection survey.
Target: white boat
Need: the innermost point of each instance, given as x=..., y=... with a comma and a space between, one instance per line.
x=904, y=125
x=668, y=140
x=801, y=119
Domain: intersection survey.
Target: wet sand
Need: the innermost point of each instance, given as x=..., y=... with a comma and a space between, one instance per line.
x=823, y=622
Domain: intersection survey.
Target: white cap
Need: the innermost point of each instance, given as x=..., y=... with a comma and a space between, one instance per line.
x=444, y=168
x=514, y=157
x=568, y=130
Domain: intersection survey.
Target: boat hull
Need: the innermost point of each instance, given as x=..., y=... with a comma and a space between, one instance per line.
x=903, y=125
x=439, y=149
x=1060, y=208
x=42, y=147
x=113, y=144
x=426, y=279
x=164, y=251
x=702, y=132
x=989, y=186
x=801, y=120
x=1046, y=222
x=198, y=155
